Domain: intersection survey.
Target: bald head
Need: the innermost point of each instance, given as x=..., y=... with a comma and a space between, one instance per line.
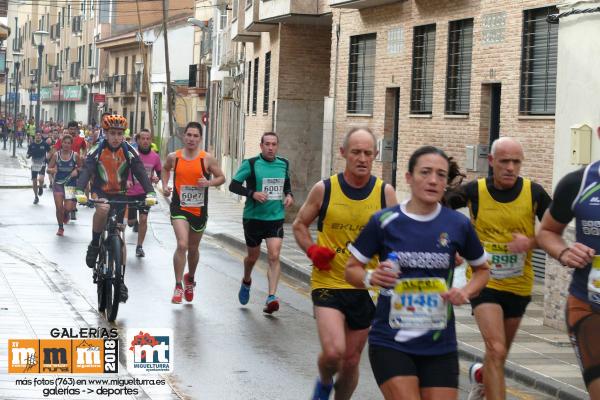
x=362, y=133
x=506, y=143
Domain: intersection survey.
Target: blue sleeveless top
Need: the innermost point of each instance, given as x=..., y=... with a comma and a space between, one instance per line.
x=64, y=168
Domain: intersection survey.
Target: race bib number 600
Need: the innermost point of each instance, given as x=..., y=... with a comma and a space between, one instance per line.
x=417, y=303
x=192, y=196
x=273, y=187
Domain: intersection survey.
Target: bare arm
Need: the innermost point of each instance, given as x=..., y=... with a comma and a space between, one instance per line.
x=218, y=177
x=390, y=196
x=52, y=165
x=166, y=174
x=307, y=214
x=549, y=237
x=480, y=277
x=382, y=276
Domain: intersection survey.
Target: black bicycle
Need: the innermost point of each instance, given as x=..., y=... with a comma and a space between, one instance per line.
x=110, y=266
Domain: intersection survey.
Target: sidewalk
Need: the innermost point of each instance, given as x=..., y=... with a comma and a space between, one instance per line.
x=541, y=357
x=14, y=175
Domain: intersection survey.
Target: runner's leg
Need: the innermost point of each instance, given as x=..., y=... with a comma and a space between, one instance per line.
x=60, y=211
x=331, y=328
x=142, y=229
x=182, y=229
x=249, y=261
x=490, y=319
x=401, y=387
x=273, y=250
x=193, y=255
x=347, y=378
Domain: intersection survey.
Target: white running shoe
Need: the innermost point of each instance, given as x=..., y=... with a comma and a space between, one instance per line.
x=477, y=391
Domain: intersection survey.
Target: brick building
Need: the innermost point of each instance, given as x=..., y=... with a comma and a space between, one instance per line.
x=449, y=74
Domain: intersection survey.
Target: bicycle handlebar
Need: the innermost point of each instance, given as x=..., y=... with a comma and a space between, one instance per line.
x=128, y=202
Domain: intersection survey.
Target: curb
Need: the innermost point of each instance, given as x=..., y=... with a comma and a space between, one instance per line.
x=535, y=380
x=16, y=186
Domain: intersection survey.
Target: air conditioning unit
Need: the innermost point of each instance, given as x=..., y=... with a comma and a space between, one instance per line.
x=227, y=88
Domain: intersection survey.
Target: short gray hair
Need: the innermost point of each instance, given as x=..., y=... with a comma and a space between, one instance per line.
x=501, y=140
x=356, y=129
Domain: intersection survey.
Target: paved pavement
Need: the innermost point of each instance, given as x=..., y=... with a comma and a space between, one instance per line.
x=13, y=174
x=541, y=357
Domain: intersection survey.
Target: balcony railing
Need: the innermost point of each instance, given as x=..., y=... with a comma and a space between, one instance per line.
x=198, y=76
x=357, y=4
x=293, y=11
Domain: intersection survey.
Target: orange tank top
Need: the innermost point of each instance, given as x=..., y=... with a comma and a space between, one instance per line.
x=186, y=173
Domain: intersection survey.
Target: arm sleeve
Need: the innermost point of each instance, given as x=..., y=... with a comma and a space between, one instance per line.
x=564, y=196
x=459, y=196
x=89, y=166
x=138, y=170
x=542, y=200
x=368, y=242
x=237, y=188
x=472, y=250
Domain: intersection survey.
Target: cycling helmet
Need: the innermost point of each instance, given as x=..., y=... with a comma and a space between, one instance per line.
x=114, y=122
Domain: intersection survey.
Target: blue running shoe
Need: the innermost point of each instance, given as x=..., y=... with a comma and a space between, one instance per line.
x=244, y=293
x=322, y=392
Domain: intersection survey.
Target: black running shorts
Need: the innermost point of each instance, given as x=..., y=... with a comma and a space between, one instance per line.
x=197, y=223
x=513, y=306
x=583, y=324
x=355, y=304
x=255, y=230
x=432, y=371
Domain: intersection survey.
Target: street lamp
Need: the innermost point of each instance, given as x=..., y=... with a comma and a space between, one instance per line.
x=38, y=40
x=139, y=67
x=17, y=57
x=7, y=83
x=59, y=74
x=32, y=78
x=92, y=72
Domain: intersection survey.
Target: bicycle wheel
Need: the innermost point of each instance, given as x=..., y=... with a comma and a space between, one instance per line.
x=100, y=278
x=113, y=278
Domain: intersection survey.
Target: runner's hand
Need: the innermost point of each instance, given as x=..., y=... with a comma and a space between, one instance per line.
x=456, y=296
x=578, y=256
x=519, y=244
x=155, y=179
x=289, y=200
x=166, y=191
x=383, y=276
x=150, y=199
x=261, y=197
x=81, y=197
x=320, y=256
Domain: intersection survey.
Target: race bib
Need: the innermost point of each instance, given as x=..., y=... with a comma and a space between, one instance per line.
x=503, y=263
x=37, y=165
x=192, y=196
x=594, y=281
x=273, y=187
x=417, y=304
x=69, y=192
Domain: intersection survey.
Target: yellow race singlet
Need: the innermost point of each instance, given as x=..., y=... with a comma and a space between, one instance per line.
x=343, y=220
x=495, y=223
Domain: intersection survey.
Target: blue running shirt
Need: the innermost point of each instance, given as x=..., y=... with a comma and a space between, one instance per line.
x=426, y=246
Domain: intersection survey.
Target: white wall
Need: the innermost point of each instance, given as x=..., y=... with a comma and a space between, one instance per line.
x=578, y=84
x=181, y=54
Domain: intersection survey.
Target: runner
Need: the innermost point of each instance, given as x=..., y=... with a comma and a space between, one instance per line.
x=191, y=168
x=343, y=204
x=64, y=165
x=79, y=147
x=30, y=129
x=576, y=196
x=37, y=151
x=503, y=208
x=269, y=193
x=20, y=132
x=152, y=166
x=107, y=165
x=412, y=344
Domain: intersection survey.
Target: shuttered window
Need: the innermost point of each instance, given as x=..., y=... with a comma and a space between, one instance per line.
x=458, y=79
x=361, y=74
x=421, y=97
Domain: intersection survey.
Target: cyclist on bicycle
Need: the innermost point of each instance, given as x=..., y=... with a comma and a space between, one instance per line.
x=108, y=165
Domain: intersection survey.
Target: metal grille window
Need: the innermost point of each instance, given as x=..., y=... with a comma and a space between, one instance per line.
x=267, y=82
x=421, y=96
x=361, y=74
x=458, y=79
x=255, y=87
x=538, y=63
x=249, y=75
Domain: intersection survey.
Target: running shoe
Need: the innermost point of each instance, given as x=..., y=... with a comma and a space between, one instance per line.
x=177, y=295
x=90, y=204
x=244, y=293
x=139, y=251
x=40, y=190
x=476, y=378
x=124, y=293
x=60, y=232
x=188, y=287
x=74, y=215
x=36, y=200
x=271, y=305
x=92, y=255
x=322, y=392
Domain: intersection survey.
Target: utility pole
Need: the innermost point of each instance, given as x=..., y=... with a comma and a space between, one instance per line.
x=169, y=93
x=145, y=76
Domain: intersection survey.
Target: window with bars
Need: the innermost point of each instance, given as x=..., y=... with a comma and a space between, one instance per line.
x=267, y=82
x=249, y=75
x=255, y=87
x=421, y=96
x=361, y=74
x=223, y=20
x=538, y=63
x=458, y=78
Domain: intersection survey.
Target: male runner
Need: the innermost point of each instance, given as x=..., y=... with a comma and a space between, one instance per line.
x=192, y=168
x=107, y=165
x=503, y=208
x=268, y=191
x=37, y=151
x=576, y=196
x=343, y=204
x=152, y=166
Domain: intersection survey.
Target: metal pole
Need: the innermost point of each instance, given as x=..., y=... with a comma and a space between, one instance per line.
x=169, y=93
x=137, y=101
x=14, y=138
x=208, y=125
x=39, y=83
x=59, y=118
x=7, y=84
